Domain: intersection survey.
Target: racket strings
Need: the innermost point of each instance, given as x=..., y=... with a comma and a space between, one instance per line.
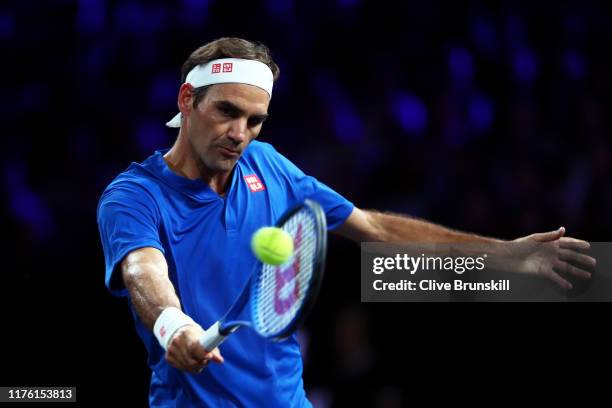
x=280, y=290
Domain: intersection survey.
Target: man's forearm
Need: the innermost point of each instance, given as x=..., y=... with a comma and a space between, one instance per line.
x=145, y=275
x=400, y=228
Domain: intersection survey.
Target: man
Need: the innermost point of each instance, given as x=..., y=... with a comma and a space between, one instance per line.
x=176, y=230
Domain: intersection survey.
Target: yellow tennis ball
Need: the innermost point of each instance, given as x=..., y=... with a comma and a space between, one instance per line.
x=272, y=245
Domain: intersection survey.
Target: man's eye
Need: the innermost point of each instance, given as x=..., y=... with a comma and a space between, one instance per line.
x=255, y=122
x=228, y=112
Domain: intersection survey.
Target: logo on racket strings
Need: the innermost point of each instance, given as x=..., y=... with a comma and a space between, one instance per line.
x=287, y=277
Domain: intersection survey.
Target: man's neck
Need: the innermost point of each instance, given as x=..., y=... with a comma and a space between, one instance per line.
x=182, y=161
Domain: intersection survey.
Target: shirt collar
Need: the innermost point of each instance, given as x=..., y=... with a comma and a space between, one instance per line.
x=198, y=188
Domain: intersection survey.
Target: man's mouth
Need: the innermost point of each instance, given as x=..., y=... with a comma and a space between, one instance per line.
x=226, y=151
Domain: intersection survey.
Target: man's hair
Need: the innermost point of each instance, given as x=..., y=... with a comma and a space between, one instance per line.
x=227, y=47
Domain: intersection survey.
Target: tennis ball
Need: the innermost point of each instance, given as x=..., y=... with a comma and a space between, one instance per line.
x=272, y=245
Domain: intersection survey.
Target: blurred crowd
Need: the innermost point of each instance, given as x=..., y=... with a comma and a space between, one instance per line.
x=486, y=118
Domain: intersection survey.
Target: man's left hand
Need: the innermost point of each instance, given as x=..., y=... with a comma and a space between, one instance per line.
x=551, y=253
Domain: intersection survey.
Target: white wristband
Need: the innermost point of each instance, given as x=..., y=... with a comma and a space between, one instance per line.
x=169, y=321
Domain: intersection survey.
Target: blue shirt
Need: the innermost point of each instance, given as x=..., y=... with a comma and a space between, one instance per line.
x=205, y=239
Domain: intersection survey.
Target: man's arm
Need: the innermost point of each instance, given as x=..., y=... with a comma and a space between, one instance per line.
x=145, y=275
x=544, y=254
x=369, y=226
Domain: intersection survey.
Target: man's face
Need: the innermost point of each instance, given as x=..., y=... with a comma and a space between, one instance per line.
x=225, y=122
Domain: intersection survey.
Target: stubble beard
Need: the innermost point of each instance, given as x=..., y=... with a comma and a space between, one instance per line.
x=209, y=164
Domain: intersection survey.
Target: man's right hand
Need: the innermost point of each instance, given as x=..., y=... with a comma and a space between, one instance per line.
x=186, y=353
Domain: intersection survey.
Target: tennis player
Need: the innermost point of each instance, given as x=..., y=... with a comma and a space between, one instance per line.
x=176, y=229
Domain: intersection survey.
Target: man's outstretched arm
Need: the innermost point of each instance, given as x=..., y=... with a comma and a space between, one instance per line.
x=145, y=274
x=375, y=226
x=544, y=254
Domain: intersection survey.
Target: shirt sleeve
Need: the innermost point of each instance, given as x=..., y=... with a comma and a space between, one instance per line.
x=128, y=219
x=337, y=208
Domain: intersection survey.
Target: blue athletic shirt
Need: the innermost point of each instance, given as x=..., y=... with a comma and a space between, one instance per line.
x=205, y=239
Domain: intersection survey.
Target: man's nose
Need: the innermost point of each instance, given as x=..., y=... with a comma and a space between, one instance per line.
x=237, y=130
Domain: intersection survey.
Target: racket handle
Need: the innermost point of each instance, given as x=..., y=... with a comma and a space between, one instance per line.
x=212, y=337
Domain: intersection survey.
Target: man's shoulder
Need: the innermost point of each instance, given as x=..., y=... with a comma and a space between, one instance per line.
x=265, y=158
x=257, y=150
x=136, y=180
x=264, y=154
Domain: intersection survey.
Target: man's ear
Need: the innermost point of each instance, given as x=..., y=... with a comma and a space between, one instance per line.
x=185, y=99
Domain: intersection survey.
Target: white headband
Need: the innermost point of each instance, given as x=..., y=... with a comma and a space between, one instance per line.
x=228, y=70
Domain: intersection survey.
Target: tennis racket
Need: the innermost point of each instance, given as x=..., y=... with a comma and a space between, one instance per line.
x=276, y=299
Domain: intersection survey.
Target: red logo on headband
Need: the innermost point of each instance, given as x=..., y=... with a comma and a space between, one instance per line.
x=227, y=66
x=216, y=68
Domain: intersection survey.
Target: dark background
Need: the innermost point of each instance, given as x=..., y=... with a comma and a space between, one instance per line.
x=491, y=117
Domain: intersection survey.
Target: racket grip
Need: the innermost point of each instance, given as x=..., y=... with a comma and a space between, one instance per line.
x=212, y=337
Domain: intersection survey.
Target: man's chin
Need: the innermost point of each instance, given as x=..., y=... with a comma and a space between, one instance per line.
x=225, y=165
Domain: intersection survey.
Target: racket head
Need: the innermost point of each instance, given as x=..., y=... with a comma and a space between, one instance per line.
x=281, y=296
